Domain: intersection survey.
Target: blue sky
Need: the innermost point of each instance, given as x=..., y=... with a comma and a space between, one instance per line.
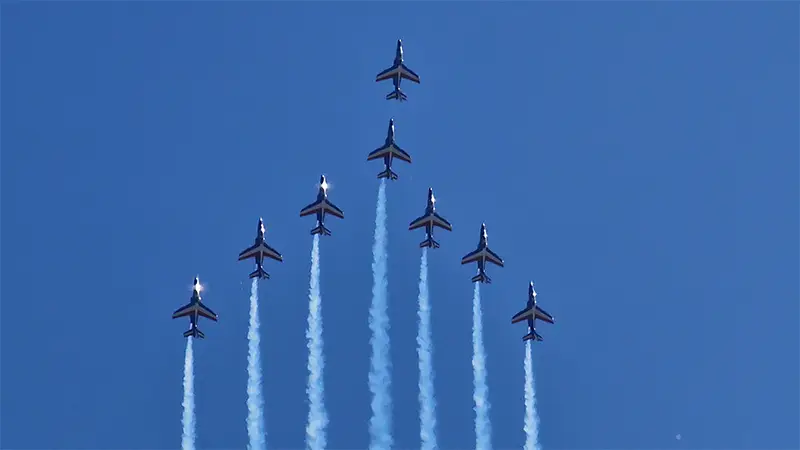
x=638, y=161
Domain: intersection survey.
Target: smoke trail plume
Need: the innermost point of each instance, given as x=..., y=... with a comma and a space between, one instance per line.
x=531, y=420
x=255, y=402
x=317, y=415
x=380, y=424
x=483, y=430
x=427, y=402
x=187, y=442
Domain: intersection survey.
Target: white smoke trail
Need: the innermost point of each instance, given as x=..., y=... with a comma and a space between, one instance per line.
x=380, y=424
x=531, y=420
x=427, y=401
x=317, y=415
x=483, y=430
x=187, y=442
x=255, y=402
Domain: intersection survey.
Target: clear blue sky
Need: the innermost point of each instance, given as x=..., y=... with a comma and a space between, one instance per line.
x=639, y=161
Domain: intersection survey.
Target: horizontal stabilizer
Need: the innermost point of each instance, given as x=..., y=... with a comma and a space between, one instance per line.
x=195, y=333
x=430, y=243
x=482, y=278
x=260, y=273
x=388, y=174
x=320, y=229
x=533, y=335
x=397, y=94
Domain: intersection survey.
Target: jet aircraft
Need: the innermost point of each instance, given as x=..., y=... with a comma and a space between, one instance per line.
x=320, y=207
x=532, y=312
x=195, y=309
x=388, y=152
x=482, y=255
x=259, y=251
x=430, y=220
x=396, y=73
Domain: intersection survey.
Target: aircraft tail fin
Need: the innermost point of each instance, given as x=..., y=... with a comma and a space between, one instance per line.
x=397, y=94
x=194, y=332
x=481, y=277
x=533, y=335
x=260, y=273
x=388, y=174
x=429, y=242
x=320, y=229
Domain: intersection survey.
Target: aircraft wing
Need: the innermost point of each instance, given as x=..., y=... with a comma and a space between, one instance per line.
x=388, y=74
x=263, y=249
x=270, y=252
x=183, y=311
x=493, y=258
x=249, y=252
x=379, y=153
x=408, y=74
x=472, y=256
x=333, y=210
x=311, y=209
x=206, y=312
x=391, y=149
x=526, y=313
x=401, y=154
x=542, y=315
x=441, y=222
x=419, y=222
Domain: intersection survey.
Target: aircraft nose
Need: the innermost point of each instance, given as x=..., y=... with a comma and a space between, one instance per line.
x=322, y=179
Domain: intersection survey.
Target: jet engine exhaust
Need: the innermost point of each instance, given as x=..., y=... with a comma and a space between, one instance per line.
x=188, y=420
x=255, y=401
x=427, y=401
x=483, y=430
x=380, y=424
x=531, y=419
x=317, y=414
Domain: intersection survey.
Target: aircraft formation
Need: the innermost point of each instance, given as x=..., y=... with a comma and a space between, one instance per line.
x=390, y=151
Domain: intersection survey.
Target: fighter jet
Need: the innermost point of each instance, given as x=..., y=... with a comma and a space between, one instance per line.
x=482, y=255
x=388, y=152
x=195, y=309
x=259, y=251
x=320, y=207
x=532, y=312
x=430, y=220
x=397, y=72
